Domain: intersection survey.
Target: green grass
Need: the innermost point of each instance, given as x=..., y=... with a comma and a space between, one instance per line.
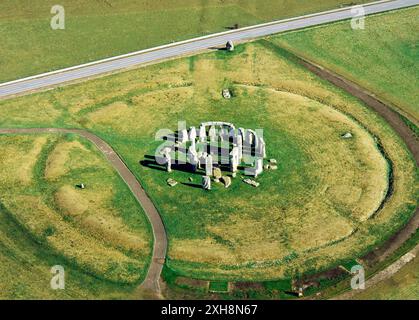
x=404, y=285
x=99, y=29
x=25, y=270
x=274, y=235
x=411, y=125
x=218, y=286
x=39, y=229
x=344, y=286
x=383, y=58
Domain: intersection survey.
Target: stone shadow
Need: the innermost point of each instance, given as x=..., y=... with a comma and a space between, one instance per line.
x=150, y=162
x=192, y=185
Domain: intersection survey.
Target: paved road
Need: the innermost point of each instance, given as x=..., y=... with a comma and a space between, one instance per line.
x=146, y=56
x=151, y=282
x=188, y=47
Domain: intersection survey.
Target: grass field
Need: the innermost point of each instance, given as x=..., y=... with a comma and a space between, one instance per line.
x=387, y=65
x=99, y=235
x=317, y=210
x=97, y=29
x=404, y=285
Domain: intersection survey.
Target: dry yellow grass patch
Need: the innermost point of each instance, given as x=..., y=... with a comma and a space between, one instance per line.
x=201, y=250
x=85, y=251
x=84, y=96
x=21, y=171
x=352, y=183
x=356, y=164
x=72, y=202
x=91, y=212
x=66, y=156
x=315, y=225
x=338, y=183
x=253, y=239
x=148, y=112
x=38, y=110
x=258, y=66
x=206, y=78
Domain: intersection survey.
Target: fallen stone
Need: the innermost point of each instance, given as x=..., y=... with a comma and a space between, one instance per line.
x=226, y=181
x=190, y=179
x=274, y=167
x=226, y=94
x=273, y=161
x=171, y=182
x=251, y=182
x=230, y=45
x=266, y=167
x=347, y=135
x=206, y=183
x=216, y=172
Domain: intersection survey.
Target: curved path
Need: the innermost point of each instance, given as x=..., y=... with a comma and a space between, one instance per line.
x=191, y=46
x=151, y=281
x=58, y=77
x=412, y=143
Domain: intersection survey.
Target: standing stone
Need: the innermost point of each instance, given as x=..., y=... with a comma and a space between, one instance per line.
x=168, y=158
x=224, y=134
x=202, y=134
x=193, y=157
x=258, y=166
x=240, y=147
x=212, y=133
x=217, y=174
x=202, y=156
x=234, y=159
x=262, y=147
x=241, y=133
x=183, y=136
x=206, y=183
x=192, y=135
x=230, y=45
x=208, y=165
x=250, y=137
x=256, y=141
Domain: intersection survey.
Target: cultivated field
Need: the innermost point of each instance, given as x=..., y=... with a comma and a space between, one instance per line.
x=101, y=28
x=383, y=58
x=99, y=234
x=330, y=200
